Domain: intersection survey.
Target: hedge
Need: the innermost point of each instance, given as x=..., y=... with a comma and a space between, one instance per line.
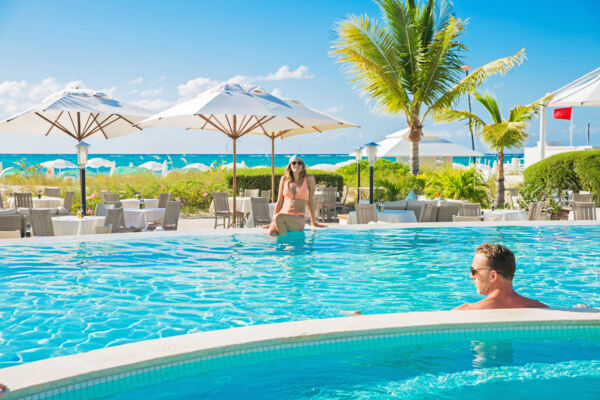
x=260, y=178
x=576, y=171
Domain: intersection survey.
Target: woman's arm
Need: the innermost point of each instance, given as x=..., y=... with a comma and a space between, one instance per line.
x=279, y=196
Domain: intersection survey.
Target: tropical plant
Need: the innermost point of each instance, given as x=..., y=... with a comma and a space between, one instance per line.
x=467, y=184
x=411, y=64
x=500, y=133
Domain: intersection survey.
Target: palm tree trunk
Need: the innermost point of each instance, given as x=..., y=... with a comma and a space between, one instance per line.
x=500, y=181
x=415, y=131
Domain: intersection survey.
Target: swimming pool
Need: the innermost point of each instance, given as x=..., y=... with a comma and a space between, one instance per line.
x=59, y=298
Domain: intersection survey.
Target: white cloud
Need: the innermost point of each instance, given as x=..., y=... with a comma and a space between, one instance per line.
x=133, y=91
x=241, y=79
x=16, y=96
x=284, y=72
x=162, y=78
x=136, y=81
x=194, y=87
x=277, y=93
x=154, y=105
x=334, y=109
x=151, y=92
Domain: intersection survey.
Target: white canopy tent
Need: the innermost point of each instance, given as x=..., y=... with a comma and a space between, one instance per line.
x=151, y=166
x=237, y=110
x=582, y=92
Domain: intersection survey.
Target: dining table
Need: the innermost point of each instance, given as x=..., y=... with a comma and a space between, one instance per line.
x=242, y=204
x=141, y=218
x=135, y=203
x=73, y=225
x=41, y=202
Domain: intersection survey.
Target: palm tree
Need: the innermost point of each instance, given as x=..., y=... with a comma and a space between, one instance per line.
x=411, y=64
x=500, y=134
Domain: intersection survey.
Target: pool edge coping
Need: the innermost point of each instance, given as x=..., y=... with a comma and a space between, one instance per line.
x=47, y=373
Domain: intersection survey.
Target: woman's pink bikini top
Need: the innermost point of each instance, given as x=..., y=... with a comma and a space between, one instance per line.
x=302, y=193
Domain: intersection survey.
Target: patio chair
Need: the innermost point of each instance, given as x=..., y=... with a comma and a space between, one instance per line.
x=109, y=197
x=100, y=230
x=446, y=210
x=329, y=206
x=260, y=211
x=41, y=222
x=366, y=213
x=266, y=194
x=67, y=204
x=52, y=192
x=318, y=207
x=114, y=218
x=426, y=210
x=10, y=223
x=1, y=202
x=221, y=206
x=583, y=197
x=535, y=211
x=251, y=192
x=23, y=200
x=102, y=208
x=469, y=209
x=341, y=205
x=171, y=219
x=464, y=218
x=584, y=211
x=163, y=199
x=10, y=234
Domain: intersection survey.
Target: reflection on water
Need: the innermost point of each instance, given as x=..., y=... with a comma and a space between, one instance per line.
x=488, y=354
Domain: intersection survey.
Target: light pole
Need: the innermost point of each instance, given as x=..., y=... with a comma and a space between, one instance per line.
x=466, y=68
x=371, y=157
x=82, y=156
x=358, y=153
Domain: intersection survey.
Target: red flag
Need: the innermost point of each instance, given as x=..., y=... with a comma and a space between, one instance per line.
x=562, y=113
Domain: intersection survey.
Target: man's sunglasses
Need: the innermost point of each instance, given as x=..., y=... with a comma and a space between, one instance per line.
x=475, y=271
x=297, y=162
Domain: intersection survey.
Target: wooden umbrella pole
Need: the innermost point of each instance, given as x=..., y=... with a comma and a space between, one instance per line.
x=272, y=168
x=234, y=179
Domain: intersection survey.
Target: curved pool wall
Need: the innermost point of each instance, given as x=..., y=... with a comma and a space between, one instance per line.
x=108, y=371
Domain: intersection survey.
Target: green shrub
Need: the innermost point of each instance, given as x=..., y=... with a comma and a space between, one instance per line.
x=260, y=178
x=457, y=184
x=576, y=171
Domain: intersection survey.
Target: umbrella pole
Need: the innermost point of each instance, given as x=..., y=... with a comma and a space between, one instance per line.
x=273, y=168
x=234, y=180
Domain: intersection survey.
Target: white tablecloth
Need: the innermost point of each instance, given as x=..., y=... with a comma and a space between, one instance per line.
x=504, y=215
x=242, y=204
x=71, y=225
x=44, y=202
x=135, y=203
x=137, y=218
x=389, y=216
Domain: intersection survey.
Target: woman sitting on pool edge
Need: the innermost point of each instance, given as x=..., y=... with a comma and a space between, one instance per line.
x=296, y=190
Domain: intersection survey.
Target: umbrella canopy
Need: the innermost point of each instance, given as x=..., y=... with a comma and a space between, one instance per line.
x=77, y=113
x=58, y=164
x=237, y=110
x=151, y=166
x=584, y=91
x=99, y=162
x=164, y=169
x=198, y=166
x=324, y=167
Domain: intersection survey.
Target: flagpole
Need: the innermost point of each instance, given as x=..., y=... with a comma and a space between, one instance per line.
x=571, y=136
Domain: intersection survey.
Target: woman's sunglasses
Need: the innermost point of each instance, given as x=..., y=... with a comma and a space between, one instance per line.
x=297, y=163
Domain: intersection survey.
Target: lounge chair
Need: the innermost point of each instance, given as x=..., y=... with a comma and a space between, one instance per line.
x=535, y=211
x=426, y=212
x=366, y=213
x=464, y=218
x=583, y=197
x=41, y=222
x=446, y=210
x=469, y=209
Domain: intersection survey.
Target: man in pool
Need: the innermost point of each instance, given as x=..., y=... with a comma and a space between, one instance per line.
x=492, y=272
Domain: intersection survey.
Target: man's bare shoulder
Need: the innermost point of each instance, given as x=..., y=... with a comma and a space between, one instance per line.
x=468, y=306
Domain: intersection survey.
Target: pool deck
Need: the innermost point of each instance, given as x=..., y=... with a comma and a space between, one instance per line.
x=98, y=366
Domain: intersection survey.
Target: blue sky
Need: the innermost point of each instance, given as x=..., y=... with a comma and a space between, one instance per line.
x=157, y=53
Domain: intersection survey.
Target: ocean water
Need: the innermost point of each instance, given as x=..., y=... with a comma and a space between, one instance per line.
x=181, y=160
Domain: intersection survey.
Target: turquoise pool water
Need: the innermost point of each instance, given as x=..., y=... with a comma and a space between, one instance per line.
x=467, y=369
x=63, y=298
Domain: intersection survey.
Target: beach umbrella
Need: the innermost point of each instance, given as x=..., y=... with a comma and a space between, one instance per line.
x=113, y=168
x=99, y=163
x=237, y=110
x=58, y=164
x=327, y=123
x=78, y=113
x=198, y=166
x=229, y=166
x=151, y=166
x=164, y=169
x=324, y=167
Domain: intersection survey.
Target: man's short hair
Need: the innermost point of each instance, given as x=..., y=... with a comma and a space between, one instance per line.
x=499, y=258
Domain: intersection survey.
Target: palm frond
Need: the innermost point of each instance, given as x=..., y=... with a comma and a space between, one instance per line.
x=476, y=78
x=490, y=103
x=505, y=135
x=449, y=115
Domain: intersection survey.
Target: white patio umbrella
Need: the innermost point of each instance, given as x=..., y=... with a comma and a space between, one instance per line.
x=237, y=110
x=113, y=168
x=59, y=164
x=198, y=166
x=99, y=163
x=164, y=169
x=78, y=113
x=151, y=166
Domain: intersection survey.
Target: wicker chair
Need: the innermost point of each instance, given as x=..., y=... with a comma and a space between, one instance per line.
x=10, y=234
x=10, y=223
x=469, y=209
x=341, y=205
x=102, y=208
x=1, y=202
x=67, y=204
x=23, y=200
x=464, y=218
x=535, y=211
x=114, y=218
x=99, y=230
x=260, y=211
x=171, y=220
x=584, y=211
x=52, y=192
x=426, y=210
x=318, y=206
x=251, y=192
x=163, y=199
x=329, y=205
x=110, y=197
x=41, y=222
x=583, y=197
x=366, y=213
x=221, y=206
x=266, y=194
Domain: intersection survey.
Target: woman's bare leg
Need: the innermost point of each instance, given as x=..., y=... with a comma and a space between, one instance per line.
x=285, y=223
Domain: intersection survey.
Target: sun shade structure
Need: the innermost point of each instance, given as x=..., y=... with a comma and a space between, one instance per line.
x=99, y=162
x=59, y=163
x=77, y=113
x=237, y=110
x=330, y=124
